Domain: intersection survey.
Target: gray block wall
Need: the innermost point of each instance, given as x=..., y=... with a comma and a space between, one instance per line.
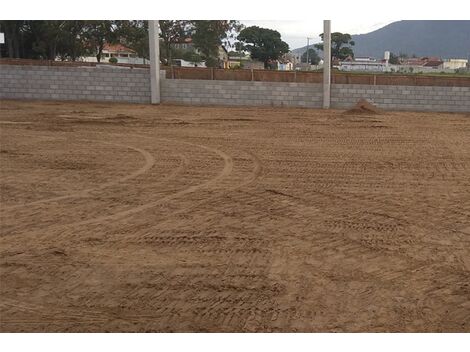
x=117, y=84
x=186, y=91
x=101, y=83
x=413, y=98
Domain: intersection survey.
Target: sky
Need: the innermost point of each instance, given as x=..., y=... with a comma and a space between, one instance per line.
x=295, y=33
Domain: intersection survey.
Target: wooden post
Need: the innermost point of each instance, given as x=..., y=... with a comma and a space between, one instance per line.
x=252, y=75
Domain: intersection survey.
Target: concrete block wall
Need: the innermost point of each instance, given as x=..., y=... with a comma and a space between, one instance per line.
x=185, y=91
x=117, y=84
x=413, y=98
x=101, y=83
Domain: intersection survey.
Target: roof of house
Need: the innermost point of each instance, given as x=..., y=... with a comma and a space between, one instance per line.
x=187, y=40
x=433, y=63
x=117, y=48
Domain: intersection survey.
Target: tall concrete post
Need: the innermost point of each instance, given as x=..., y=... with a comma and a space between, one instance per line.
x=154, y=47
x=326, y=63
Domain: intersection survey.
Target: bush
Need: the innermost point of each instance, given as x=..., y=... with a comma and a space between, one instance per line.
x=113, y=60
x=212, y=62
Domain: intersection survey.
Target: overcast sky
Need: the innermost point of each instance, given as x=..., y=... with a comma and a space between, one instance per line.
x=295, y=33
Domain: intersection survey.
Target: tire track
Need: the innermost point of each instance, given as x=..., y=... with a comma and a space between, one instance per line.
x=227, y=169
x=149, y=163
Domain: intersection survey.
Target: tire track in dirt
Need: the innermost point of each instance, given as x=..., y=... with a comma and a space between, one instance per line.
x=179, y=242
x=227, y=169
x=149, y=163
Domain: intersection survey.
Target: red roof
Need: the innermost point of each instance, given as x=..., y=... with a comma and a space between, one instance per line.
x=188, y=40
x=423, y=61
x=434, y=63
x=116, y=48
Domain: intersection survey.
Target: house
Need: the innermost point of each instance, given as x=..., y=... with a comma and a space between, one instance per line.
x=184, y=44
x=187, y=44
x=364, y=66
x=240, y=60
x=455, y=64
x=420, y=65
x=123, y=54
x=223, y=57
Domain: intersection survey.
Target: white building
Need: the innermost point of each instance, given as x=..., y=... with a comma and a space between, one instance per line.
x=184, y=63
x=285, y=66
x=454, y=64
x=123, y=55
x=364, y=66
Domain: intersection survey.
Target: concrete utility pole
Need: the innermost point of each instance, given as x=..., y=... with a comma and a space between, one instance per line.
x=308, y=47
x=326, y=63
x=154, y=46
x=308, y=42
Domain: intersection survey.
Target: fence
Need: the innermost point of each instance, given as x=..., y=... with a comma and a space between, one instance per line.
x=200, y=73
x=313, y=77
x=31, y=62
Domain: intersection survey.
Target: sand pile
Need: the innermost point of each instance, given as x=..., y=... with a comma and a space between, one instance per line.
x=364, y=107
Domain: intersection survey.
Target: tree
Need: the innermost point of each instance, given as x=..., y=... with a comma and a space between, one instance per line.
x=341, y=45
x=263, y=44
x=313, y=57
x=98, y=33
x=394, y=59
x=13, y=36
x=192, y=56
x=208, y=36
x=134, y=34
x=172, y=32
x=44, y=39
x=47, y=35
x=71, y=44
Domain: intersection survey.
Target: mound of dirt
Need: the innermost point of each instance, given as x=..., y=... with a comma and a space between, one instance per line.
x=363, y=107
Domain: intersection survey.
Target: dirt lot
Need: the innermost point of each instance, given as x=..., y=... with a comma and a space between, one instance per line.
x=140, y=218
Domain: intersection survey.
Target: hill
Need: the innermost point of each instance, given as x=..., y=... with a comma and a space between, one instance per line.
x=446, y=39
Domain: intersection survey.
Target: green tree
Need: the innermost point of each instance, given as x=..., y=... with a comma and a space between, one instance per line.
x=394, y=59
x=134, y=34
x=313, y=57
x=14, y=31
x=263, y=44
x=341, y=45
x=71, y=44
x=98, y=33
x=44, y=39
x=171, y=32
x=192, y=56
x=47, y=36
x=207, y=36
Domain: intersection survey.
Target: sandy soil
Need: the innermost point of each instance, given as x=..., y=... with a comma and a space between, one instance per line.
x=140, y=218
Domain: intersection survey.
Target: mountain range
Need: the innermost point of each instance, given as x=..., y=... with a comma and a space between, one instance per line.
x=445, y=39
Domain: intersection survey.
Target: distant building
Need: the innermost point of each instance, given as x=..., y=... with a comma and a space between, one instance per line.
x=364, y=64
x=187, y=44
x=244, y=61
x=184, y=63
x=253, y=65
x=223, y=57
x=285, y=66
x=420, y=65
x=455, y=64
x=123, y=54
